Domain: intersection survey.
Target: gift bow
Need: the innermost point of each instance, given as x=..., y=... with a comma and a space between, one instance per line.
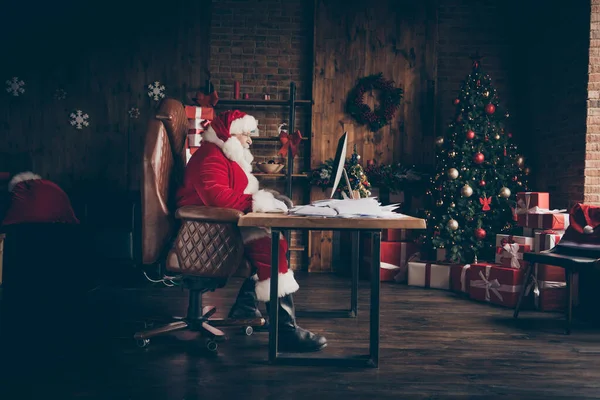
x=513, y=250
x=488, y=285
x=463, y=277
x=290, y=142
x=206, y=100
x=523, y=208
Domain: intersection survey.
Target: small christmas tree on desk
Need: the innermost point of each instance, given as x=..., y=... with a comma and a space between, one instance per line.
x=478, y=173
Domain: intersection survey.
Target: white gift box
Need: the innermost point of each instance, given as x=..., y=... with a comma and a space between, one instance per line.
x=196, y=123
x=429, y=275
x=194, y=140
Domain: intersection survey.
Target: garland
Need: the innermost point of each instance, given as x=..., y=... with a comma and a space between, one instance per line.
x=389, y=99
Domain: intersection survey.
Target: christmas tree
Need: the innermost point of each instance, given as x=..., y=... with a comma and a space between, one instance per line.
x=359, y=181
x=478, y=173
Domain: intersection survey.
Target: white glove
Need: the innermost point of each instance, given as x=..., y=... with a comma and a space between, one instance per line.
x=264, y=201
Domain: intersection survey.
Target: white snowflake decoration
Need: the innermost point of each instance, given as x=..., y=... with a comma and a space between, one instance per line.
x=60, y=94
x=79, y=119
x=134, y=112
x=15, y=86
x=156, y=90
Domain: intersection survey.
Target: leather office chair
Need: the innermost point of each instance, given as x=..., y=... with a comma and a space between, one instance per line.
x=577, y=251
x=202, y=245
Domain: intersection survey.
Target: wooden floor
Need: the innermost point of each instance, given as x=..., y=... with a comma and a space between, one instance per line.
x=434, y=344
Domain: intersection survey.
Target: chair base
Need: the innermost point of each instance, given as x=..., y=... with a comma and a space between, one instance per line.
x=198, y=320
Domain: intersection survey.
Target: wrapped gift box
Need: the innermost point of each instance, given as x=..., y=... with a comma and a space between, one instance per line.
x=440, y=254
x=459, y=278
x=393, y=258
x=194, y=140
x=394, y=235
x=495, y=284
x=514, y=239
x=550, y=288
x=428, y=275
x=557, y=221
x=528, y=200
x=504, y=256
x=197, y=124
x=199, y=113
x=546, y=239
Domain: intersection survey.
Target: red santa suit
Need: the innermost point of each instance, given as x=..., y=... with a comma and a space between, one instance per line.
x=219, y=174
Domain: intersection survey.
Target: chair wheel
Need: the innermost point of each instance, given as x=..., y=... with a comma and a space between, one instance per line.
x=211, y=345
x=143, y=343
x=248, y=331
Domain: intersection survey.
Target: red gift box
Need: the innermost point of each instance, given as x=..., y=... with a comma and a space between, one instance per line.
x=550, y=288
x=459, y=278
x=394, y=256
x=559, y=221
x=528, y=200
x=193, y=112
x=546, y=239
x=504, y=256
x=495, y=284
x=394, y=235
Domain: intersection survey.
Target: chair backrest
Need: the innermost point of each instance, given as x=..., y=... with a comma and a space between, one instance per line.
x=582, y=237
x=163, y=167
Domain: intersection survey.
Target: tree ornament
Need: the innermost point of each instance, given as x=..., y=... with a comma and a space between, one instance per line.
x=439, y=141
x=515, y=178
x=486, y=139
x=480, y=233
x=486, y=94
x=466, y=191
x=482, y=183
x=505, y=192
x=485, y=203
x=478, y=158
x=470, y=135
x=497, y=137
x=439, y=202
x=453, y=224
x=509, y=135
x=478, y=83
x=452, y=173
x=527, y=170
x=452, y=154
x=490, y=109
x=389, y=99
x=520, y=161
x=452, y=205
x=456, y=101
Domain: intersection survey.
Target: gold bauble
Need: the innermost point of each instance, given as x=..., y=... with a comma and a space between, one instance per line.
x=520, y=161
x=452, y=173
x=505, y=192
x=497, y=137
x=453, y=224
x=439, y=202
x=466, y=191
x=439, y=140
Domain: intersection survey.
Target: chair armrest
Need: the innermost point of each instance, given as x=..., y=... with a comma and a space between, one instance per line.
x=208, y=214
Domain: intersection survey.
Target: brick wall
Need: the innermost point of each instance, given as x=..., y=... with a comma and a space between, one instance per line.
x=555, y=43
x=592, y=138
x=265, y=45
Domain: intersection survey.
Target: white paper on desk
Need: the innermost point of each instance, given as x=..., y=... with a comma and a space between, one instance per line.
x=314, y=211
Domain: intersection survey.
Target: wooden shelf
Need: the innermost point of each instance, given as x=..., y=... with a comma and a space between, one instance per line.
x=268, y=138
x=265, y=175
x=297, y=248
x=260, y=102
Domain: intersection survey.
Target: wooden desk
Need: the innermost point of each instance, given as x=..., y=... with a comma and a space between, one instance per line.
x=280, y=222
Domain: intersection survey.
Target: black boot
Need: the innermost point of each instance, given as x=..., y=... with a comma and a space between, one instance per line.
x=293, y=338
x=245, y=306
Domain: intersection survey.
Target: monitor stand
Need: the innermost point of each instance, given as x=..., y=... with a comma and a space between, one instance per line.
x=350, y=191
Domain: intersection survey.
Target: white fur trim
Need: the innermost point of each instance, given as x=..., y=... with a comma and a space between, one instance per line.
x=210, y=136
x=287, y=284
x=247, y=124
x=263, y=201
x=22, y=177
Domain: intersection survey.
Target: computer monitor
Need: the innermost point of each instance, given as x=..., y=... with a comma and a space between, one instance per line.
x=338, y=166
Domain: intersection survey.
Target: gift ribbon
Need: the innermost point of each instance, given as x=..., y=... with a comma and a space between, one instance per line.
x=204, y=100
x=463, y=277
x=513, y=250
x=290, y=142
x=493, y=286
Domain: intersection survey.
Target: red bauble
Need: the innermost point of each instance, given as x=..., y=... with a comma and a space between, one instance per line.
x=456, y=102
x=478, y=158
x=486, y=139
x=470, y=134
x=459, y=118
x=490, y=109
x=509, y=134
x=480, y=233
x=478, y=82
x=482, y=183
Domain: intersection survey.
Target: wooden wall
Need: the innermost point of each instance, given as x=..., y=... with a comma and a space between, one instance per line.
x=103, y=55
x=396, y=38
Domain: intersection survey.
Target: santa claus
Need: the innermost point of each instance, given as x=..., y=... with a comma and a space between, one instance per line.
x=219, y=174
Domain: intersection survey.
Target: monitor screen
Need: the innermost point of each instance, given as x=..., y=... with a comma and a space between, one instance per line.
x=338, y=162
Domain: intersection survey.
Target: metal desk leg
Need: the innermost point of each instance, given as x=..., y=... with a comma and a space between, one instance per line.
x=375, y=286
x=569, y=308
x=355, y=264
x=274, y=299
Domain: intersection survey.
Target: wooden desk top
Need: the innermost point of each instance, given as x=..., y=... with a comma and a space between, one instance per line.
x=273, y=220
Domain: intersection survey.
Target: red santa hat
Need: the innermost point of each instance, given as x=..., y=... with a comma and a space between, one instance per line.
x=234, y=122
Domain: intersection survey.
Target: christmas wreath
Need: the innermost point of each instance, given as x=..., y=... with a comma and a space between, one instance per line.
x=389, y=100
